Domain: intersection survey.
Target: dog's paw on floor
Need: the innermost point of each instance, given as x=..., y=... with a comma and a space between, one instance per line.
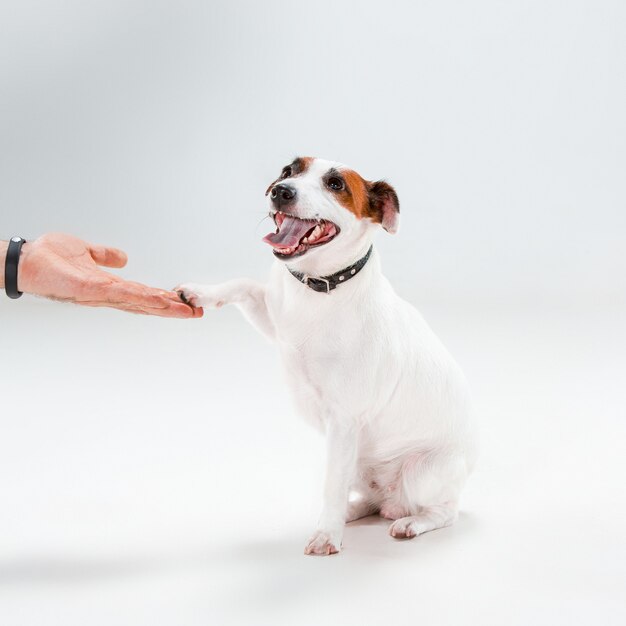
x=404, y=528
x=324, y=543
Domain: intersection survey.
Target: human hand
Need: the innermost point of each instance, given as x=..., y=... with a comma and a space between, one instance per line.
x=62, y=267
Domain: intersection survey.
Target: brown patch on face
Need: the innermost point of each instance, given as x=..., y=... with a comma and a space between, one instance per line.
x=354, y=194
x=298, y=166
x=375, y=200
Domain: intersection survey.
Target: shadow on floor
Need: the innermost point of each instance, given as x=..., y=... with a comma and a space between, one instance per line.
x=274, y=566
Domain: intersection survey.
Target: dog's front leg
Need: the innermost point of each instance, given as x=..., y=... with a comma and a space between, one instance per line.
x=247, y=295
x=341, y=460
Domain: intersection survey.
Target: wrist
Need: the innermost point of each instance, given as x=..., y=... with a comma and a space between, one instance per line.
x=24, y=270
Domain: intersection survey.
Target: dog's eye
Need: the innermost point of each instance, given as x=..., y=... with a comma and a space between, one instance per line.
x=287, y=172
x=336, y=184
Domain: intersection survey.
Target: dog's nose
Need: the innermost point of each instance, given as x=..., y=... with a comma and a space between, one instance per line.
x=282, y=195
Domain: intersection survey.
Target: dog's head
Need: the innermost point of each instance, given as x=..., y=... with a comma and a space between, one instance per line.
x=320, y=205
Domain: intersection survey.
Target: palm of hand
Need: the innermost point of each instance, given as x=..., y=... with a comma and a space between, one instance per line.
x=63, y=267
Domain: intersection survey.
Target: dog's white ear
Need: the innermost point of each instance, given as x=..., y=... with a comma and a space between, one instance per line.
x=384, y=205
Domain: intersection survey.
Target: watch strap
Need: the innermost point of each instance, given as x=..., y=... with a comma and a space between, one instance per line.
x=10, y=267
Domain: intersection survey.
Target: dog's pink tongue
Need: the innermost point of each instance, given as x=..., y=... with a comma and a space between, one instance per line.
x=289, y=233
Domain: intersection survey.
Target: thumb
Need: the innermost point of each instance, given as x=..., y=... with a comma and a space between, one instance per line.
x=108, y=257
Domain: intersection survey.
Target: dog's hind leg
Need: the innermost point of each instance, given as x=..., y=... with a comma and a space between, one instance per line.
x=359, y=509
x=427, y=518
x=429, y=487
x=366, y=501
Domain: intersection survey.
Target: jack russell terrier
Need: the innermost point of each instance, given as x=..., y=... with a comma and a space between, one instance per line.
x=363, y=365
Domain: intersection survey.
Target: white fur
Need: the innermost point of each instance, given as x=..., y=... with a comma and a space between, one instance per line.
x=365, y=368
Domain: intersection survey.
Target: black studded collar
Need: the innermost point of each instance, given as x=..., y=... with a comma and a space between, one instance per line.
x=325, y=284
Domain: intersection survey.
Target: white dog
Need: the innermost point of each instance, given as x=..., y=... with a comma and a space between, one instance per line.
x=363, y=365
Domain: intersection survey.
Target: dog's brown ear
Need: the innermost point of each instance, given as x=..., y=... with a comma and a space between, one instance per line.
x=384, y=205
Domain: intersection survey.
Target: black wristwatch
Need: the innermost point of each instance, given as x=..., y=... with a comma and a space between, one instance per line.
x=10, y=267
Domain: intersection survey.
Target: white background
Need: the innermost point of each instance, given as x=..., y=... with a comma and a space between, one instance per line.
x=153, y=471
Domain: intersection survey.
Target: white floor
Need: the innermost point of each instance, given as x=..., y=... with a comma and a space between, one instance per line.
x=153, y=472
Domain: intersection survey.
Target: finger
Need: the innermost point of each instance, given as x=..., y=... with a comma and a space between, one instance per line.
x=179, y=310
x=142, y=295
x=149, y=299
x=108, y=257
x=176, y=310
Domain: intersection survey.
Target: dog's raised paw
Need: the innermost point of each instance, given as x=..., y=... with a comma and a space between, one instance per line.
x=188, y=293
x=200, y=295
x=323, y=543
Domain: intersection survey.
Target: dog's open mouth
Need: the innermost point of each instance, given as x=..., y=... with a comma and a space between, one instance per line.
x=293, y=236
